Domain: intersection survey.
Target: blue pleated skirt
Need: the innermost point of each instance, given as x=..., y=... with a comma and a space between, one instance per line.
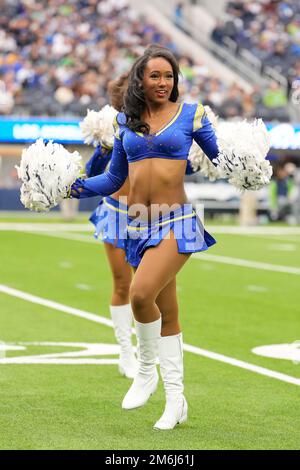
x=188, y=231
x=110, y=220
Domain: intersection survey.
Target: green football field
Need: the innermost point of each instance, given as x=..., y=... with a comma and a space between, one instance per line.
x=59, y=383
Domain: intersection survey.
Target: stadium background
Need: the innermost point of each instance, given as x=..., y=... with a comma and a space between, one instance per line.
x=243, y=59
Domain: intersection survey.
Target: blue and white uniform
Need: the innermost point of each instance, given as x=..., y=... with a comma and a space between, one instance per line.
x=110, y=216
x=173, y=141
x=183, y=222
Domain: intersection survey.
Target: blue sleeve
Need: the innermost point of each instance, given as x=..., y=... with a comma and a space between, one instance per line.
x=206, y=138
x=98, y=161
x=107, y=183
x=189, y=169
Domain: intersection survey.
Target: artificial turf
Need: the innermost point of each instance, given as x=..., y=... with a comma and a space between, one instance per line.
x=223, y=308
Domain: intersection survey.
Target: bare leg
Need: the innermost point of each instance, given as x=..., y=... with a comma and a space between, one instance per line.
x=153, y=297
x=122, y=274
x=120, y=309
x=166, y=301
x=157, y=269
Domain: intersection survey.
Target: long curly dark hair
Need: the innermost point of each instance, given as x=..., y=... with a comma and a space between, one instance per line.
x=116, y=89
x=134, y=99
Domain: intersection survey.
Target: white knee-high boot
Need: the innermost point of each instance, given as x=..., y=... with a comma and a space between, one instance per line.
x=122, y=319
x=170, y=352
x=146, y=380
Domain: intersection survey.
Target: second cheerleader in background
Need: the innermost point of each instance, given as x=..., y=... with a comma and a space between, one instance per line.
x=108, y=218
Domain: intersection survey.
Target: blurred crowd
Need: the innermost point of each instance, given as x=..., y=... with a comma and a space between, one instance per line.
x=270, y=29
x=56, y=57
x=284, y=192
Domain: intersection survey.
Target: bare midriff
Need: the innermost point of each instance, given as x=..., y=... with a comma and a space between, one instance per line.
x=157, y=186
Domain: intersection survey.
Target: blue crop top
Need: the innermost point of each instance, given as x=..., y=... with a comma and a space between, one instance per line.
x=173, y=141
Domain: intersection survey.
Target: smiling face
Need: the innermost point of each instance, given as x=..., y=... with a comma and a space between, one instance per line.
x=158, y=80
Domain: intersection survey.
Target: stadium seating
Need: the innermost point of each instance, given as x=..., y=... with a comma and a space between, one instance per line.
x=56, y=59
x=270, y=30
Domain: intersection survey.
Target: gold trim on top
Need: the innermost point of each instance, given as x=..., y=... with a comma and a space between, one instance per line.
x=171, y=122
x=116, y=128
x=198, y=117
x=166, y=125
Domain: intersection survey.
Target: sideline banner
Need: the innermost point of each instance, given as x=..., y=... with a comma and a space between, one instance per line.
x=284, y=136
x=30, y=129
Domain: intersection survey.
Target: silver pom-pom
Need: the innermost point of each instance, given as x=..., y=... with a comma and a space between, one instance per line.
x=243, y=149
x=200, y=162
x=97, y=127
x=197, y=157
x=47, y=172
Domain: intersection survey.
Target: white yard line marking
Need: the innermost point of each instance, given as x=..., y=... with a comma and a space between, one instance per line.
x=66, y=265
x=288, y=351
x=84, y=287
x=55, y=305
x=237, y=230
x=247, y=263
x=87, y=227
x=88, y=238
x=274, y=238
x=253, y=288
x=44, y=227
x=282, y=247
x=243, y=365
x=201, y=256
x=68, y=236
x=104, y=321
x=206, y=266
x=63, y=358
x=287, y=239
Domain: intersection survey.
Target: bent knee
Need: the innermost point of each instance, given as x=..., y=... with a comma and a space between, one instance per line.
x=140, y=297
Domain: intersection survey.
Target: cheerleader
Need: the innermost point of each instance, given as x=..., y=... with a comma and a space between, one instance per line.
x=109, y=219
x=153, y=137
x=152, y=141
